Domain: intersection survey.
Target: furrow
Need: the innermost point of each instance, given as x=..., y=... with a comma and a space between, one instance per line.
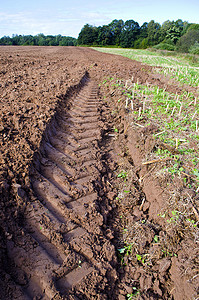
x=63, y=241
x=74, y=277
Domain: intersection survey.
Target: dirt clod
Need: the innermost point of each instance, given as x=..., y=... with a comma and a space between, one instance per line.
x=71, y=226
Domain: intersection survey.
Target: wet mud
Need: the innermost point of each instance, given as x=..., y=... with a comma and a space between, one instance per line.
x=60, y=217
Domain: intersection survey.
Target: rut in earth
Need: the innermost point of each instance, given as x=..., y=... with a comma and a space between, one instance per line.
x=64, y=247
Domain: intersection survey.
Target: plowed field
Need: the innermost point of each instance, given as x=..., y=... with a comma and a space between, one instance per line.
x=61, y=219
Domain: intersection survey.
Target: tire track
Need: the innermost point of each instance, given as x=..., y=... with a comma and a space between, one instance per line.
x=64, y=248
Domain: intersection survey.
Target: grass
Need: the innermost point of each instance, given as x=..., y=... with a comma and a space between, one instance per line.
x=183, y=67
x=153, y=58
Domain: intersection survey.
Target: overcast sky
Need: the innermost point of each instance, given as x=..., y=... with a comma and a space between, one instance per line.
x=68, y=17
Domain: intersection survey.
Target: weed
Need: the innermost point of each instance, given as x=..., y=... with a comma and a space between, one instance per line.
x=175, y=169
x=141, y=258
x=192, y=222
x=156, y=239
x=175, y=217
x=136, y=292
x=163, y=153
x=122, y=174
x=168, y=253
x=79, y=263
x=196, y=173
x=127, y=249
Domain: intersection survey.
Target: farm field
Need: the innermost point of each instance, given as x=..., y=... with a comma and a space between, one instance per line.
x=99, y=175
x=184, y=68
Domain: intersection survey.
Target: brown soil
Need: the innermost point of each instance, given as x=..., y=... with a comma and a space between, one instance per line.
x=60, y=218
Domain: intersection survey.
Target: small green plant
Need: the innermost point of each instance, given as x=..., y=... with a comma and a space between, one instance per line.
x=191, y=222
x=125, y=191
x=122, y=174
x=79, y=263
x=140, y=258
x=175, y=217
x=196, y=173
x=126, y=249
x=156, y=239
x=168, y=253
x=175, y=169
x=162, y=152
x=162, y=215
x=133, y=295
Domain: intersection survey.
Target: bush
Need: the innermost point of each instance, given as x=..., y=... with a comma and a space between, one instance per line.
x=193, y=27
x=194, y=49
x=165, y=46
x=141, y=43
x=187, y=40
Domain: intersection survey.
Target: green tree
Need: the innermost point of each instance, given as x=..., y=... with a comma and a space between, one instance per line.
x=104, y=35
x=16, y=39
x=174, y=33
x=40, y=40
x=116, y=27
x=67, y=41
x=187, y=40
x=143, y=30
x=154, y=33
x=88, y=35
x=164, y=28
x=5, y=40
x=141, y=40
x=129, y=33
x=28, y=40
x=193, y=27
x=194, y=49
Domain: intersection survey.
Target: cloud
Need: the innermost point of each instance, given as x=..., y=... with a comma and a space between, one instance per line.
x=95, y=16
x=49, y=22
x=14, y=18
x=16, y=23
x=83, y=17
x=27, y=23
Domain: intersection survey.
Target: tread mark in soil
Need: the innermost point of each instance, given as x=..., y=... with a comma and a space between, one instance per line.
x=63, y=242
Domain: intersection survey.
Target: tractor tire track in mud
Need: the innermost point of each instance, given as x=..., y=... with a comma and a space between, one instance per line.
x=64, y=253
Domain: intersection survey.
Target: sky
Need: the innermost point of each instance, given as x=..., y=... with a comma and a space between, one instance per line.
x=67, y=17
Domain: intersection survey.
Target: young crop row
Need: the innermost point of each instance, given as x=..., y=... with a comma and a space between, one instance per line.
x=185, y=75
x=176, y=117
x=174, y=160
x=177, y=67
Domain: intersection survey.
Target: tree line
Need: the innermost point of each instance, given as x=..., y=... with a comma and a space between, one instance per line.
x=38, y=40
x=171, y=35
